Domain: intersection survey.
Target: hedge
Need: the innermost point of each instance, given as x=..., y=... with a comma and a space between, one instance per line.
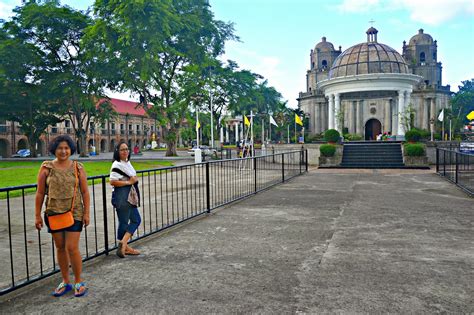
x=327, y=150
x=332, y=135
x=414, y=149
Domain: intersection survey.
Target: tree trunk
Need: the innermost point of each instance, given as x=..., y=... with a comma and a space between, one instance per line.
x=83, y=144
x=170, y=137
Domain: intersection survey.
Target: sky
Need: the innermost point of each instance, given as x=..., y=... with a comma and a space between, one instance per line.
x=276, y=36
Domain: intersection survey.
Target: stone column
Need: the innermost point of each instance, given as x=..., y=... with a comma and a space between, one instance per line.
x=387, y=117
x=432, y=113
x=323, y=116
x=331, y=112
x=353, y=117
x=337, y=113
x=221, y=135
x=227, y=134
x=394, y=117
x=316, y=119
x=401, y=113
x=426, y=119
x=359, y=128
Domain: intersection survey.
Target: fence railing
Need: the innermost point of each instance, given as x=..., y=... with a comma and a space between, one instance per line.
x=169, y=196
x=457, y=167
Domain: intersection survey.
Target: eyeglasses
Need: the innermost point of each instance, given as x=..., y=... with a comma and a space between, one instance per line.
x=123, y=150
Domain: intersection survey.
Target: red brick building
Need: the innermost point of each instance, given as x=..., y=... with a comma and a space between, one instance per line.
x=132, y=125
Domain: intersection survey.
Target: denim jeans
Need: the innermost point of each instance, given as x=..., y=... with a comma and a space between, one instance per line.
x=129, y=220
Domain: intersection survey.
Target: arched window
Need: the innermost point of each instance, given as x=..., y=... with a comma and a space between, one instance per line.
x=312, y=65
x=434, y=56
x=324, y=63
x=422, y=58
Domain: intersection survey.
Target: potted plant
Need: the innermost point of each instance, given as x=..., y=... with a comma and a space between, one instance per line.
x=332, y=136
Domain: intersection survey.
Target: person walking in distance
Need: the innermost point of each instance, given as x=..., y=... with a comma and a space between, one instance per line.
x=64, y=182
x=125, y=198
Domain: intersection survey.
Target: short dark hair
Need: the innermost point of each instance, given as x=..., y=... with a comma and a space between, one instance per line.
x=63, y=138
x=117, y=152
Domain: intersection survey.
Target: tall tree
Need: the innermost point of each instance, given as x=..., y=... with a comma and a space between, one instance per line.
x=21, y=97
x=65, y=73
x=462, y=103
x=151, y=44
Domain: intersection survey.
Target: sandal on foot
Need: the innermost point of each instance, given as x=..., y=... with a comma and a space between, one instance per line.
x=77, y=289
x=132, y=251
x=120, y=250
x=62, y=289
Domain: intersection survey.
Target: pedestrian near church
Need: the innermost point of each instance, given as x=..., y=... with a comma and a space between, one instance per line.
x=64, y=183
x=125, y=198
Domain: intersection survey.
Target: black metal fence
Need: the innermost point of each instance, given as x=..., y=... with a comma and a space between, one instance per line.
x=457, y=167
x=169, y=196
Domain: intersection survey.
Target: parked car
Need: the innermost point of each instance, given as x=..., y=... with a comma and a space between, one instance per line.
x=22, y=153
x=205, y=150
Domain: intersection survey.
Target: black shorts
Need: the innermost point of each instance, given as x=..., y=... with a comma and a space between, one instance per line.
x=76, y=227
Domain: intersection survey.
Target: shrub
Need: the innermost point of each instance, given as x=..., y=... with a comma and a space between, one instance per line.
x=352, y=137
x=413, y=135
x=414, y=149
x=327, y=150
x=332, y=135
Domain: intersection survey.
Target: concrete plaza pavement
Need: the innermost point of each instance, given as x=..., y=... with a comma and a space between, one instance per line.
x=350, y=241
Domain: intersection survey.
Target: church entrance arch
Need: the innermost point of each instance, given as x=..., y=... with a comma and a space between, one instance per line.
x=373, y=127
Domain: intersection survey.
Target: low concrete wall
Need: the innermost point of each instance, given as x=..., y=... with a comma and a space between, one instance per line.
x=431, y=148
x=313, y=150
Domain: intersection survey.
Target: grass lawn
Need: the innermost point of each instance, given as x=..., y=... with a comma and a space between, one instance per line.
x=13, y=173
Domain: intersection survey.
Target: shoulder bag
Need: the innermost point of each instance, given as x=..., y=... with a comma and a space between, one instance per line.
x=64, y=220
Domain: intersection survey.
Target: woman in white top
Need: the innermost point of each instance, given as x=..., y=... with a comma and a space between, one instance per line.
x=125, y=198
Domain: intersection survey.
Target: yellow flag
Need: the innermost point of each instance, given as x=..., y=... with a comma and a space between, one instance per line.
x=298, y=120
x=470, y=116
x=246, y=121
x=198, y=124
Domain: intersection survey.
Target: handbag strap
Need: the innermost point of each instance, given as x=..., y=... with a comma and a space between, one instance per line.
x=119, y=171
x=75, y=185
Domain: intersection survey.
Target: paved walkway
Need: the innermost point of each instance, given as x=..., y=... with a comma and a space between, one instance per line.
x=330, y=241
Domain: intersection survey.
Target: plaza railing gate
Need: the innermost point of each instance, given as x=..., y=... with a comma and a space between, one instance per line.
x=457, y=167
x=169, y=196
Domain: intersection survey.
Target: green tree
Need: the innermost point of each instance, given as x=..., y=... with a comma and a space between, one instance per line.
x=64, y=72
x=21, y=97
x=462, y=103
x=151, y=45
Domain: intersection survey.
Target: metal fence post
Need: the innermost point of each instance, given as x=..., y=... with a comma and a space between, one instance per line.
x=273, y=154
x=255, y=172
x=301, y=160
x=208, y=189
x=437, y=160
x=104, y=206
x=444, y=162
x=283, y=167
x=306, y=159
x=457, y=168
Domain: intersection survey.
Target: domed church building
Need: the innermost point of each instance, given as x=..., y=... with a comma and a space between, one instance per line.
x=370, y=88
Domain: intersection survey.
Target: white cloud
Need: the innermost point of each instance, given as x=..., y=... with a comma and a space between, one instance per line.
x=431, y=12
x=358, y=5
x=436, y=12
x=6, y=10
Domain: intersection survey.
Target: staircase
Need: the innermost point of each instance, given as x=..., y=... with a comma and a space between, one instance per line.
x=372, y=155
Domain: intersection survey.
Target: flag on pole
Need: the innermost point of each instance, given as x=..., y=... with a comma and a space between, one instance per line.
x=470, y=116
x=246, y=121
x=298, y=120
x=273, y=122
x=441, y=115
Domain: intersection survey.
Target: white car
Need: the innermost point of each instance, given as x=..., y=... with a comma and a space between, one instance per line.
x=205, y=151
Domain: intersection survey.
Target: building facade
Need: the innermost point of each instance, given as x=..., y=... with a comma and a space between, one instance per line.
x=370, y=88
x=132, y=125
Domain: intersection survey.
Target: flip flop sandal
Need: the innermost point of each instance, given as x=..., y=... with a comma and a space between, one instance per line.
x=120, y=250
x=77, y=289
x=132, y=252
x=65, y=287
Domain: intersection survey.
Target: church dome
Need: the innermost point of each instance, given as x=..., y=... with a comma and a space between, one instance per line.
x=421, y=39
x=369, y=57
x=324, y=45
